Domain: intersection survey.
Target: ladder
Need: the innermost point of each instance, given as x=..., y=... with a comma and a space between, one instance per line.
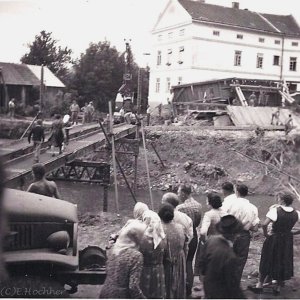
x=241, y=96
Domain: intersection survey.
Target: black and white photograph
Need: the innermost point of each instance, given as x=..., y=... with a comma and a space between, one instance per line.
x=150, y=149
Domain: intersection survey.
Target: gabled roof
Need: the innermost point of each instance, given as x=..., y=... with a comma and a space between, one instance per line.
x=22, y=74
x=286, y=24
x=50, y=79
x=18, y=74
x=240, y=17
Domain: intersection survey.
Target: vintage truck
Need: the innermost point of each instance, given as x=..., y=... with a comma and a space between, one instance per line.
x=42, y=242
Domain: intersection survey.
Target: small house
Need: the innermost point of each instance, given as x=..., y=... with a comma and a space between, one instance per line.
x=22, y=82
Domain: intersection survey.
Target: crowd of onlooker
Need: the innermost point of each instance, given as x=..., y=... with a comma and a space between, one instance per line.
x=157, y=254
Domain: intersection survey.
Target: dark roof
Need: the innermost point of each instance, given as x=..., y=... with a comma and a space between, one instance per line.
x=22, y=74
x=286, y=24
x=18, y=74
x=240, y=17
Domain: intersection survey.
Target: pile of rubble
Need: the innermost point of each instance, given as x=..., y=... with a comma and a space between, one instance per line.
x=204, y=170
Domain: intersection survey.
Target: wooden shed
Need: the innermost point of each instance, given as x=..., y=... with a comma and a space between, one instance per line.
x=22, y=82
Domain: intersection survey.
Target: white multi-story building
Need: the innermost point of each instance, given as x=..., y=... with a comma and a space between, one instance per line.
x=194, y=41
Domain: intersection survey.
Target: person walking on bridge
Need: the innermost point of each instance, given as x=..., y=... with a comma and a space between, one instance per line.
x=41, y=185
x=38, y=137
x=57, y=134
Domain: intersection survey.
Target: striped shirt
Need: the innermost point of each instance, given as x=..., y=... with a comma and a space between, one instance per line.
x=193, y=209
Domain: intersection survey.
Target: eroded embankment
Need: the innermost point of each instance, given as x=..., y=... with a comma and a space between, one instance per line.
x=207, y=158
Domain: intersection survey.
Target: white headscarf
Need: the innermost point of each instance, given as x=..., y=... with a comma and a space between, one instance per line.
x=154, y=227
x=139, y=210
x=129, y=237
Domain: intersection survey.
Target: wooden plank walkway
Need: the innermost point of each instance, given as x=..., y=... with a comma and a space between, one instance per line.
x=16, y=148
x=18, y=171
x=260, y=116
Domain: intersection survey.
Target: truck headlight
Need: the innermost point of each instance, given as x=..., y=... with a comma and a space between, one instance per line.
x=59, y=241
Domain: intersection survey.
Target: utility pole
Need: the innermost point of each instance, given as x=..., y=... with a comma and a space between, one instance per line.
x=42, y=89
x=139, y=90
x=140, y=87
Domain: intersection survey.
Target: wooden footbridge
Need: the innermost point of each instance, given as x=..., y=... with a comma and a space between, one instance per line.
x=18, y=156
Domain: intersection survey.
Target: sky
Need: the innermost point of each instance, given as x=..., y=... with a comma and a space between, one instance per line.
x=76, y=23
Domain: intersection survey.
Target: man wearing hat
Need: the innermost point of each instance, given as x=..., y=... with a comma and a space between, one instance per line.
x=219, y=263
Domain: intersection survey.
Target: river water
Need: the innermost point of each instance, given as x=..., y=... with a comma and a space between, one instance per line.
x=89, y=198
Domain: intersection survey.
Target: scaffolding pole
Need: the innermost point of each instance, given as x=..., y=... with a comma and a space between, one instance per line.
x=113, y=155
x=147, y=166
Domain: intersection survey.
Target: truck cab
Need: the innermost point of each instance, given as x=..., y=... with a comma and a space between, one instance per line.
x=42, y=241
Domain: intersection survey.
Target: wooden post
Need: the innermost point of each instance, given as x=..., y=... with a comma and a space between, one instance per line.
x=6, y=96
x=135, y=174
x=119, y=165
x=113, y=156
x=162, y=163
x=42, y=88
x=147, y=166
x=139, y=91
x=105, y=196
x=29, y=126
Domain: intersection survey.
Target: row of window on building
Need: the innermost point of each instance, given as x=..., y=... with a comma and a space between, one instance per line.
x=171, y=34
x=237, y=59
x=169, y=56
x=239, y=36
x=260, y=60
x=168, y=84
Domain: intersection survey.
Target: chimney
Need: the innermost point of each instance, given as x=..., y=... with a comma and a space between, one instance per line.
x=236, y=5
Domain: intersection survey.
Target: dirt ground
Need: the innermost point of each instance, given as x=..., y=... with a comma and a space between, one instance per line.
x=95, y=229
x=206, y=158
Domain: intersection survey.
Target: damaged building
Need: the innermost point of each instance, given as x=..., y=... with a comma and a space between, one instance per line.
x=195, y=42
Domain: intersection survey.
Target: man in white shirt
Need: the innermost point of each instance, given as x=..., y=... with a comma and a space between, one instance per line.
x=246, y=213
x=229, y=195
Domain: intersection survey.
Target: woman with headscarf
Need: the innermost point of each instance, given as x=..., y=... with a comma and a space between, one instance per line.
x=175, y=264
x=153, y=247
x=139, y=210
x=124, y=264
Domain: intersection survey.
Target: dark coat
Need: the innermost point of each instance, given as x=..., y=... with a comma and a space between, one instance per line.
x=37, y=134
x=218, y=264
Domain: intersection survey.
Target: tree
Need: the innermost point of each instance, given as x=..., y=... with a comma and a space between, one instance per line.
x=44, y=50
x=98, y=75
